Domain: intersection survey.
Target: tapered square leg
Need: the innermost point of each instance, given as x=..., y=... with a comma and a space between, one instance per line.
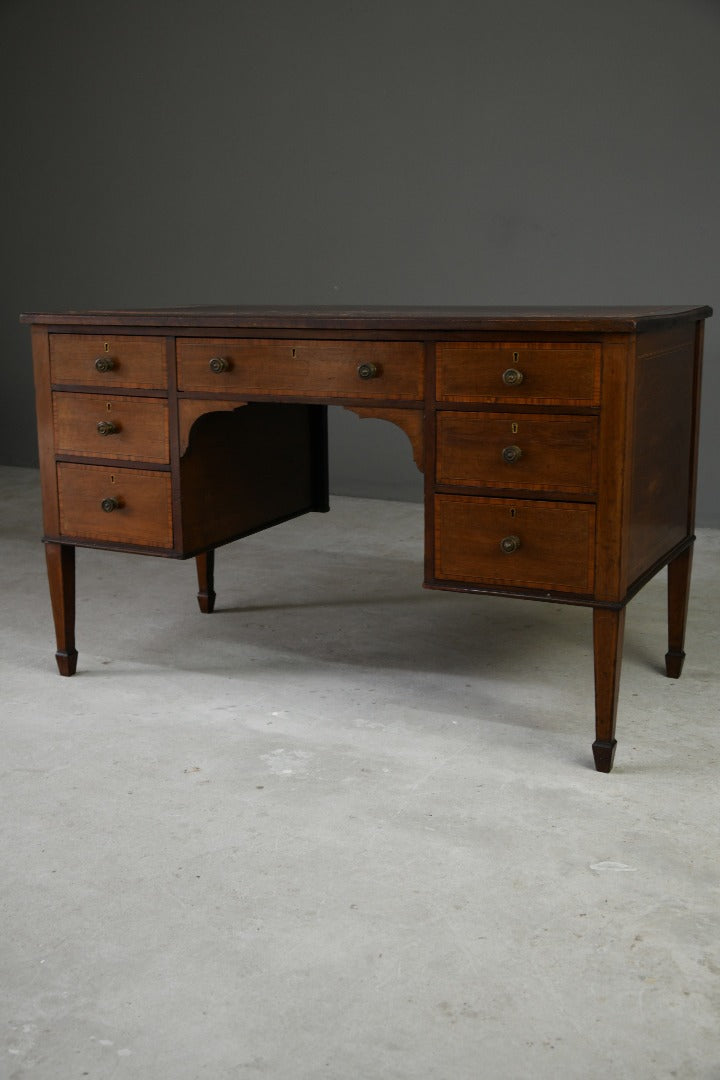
x=60, y=560
x=679, y=571
x=608, y=630
x=205, y=564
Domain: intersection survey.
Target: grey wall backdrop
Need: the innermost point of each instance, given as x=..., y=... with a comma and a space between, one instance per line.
x=228, y=151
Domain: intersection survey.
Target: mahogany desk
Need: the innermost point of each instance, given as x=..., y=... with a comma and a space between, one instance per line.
x=559, y=446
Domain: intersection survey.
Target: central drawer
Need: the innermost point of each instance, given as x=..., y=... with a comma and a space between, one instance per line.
x=517, y=450
x=515, y=543
x=122, y=506
x=314, y=369
x=123, y=428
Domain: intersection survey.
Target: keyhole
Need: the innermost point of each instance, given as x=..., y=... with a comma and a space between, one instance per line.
x=112, y=478
x=513, y=512
x=108, y=406
x=516, y=356
x=514, y=428
x=107, y=346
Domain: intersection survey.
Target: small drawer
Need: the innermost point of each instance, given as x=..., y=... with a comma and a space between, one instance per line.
x=322, y=370
x=515, y=543
x=123, y=361
x=506, y=450
x=543, y=373
x=122, y=506
x=122, y=428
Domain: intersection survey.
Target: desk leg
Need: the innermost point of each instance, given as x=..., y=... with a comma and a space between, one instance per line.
x=61, y=578
x=205, y=564
x=678, y=592
x=608, y=628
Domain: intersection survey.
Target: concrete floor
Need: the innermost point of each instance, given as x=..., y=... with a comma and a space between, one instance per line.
x=347, y=828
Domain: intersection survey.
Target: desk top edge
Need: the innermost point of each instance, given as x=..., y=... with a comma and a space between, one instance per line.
x=568, y=319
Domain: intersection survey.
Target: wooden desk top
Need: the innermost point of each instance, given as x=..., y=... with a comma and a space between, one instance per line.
x=468, y=319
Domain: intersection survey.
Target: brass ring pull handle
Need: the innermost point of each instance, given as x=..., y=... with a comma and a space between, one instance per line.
x=219, y=365
x=106, y=427
x=511, y=454
x=512, y=377
x=104, y=363
x=368, y=371
x=110, y=504
x=509, y=544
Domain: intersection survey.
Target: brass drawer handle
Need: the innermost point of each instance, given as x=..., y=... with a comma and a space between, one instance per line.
x=512, y=377
x=511, y=454
x=106, y=427
x=219, y=365
x=104, y=363
x=368, y=371
x=509, y=544
x=110, y=504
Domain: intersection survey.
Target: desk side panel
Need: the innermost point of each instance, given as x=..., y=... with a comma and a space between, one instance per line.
x=663, y=452
x=45, y=430
x=248, y=469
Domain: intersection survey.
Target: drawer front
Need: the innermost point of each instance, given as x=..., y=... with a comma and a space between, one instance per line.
x=128, y=428
x=544, y=373
x=555, y=543
x=142, y=516
x=542, y=453
x=315, y=369
x=119, y=361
